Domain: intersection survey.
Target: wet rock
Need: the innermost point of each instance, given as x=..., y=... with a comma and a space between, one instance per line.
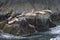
x=55, y=16
x=4, y=17
x=29, y=23
x=11, y=29
x=15, y=29
x=41, y=20
x=24, y=26
x=2, y=25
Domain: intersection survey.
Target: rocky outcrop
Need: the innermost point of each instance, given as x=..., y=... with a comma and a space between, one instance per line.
x=34, y=22
x=29, y=22
x=55, y=16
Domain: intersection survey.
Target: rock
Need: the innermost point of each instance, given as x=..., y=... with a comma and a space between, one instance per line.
x=41, y=21
x=23, y=24
x=55, y=16
x=11, y=29
x=5, y=16
x=2, y=25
